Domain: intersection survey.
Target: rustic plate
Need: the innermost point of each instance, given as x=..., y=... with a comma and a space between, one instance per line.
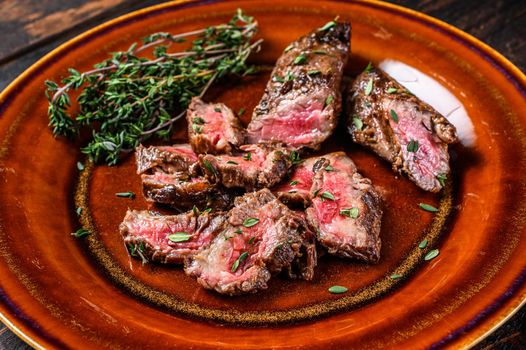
x=60, y=292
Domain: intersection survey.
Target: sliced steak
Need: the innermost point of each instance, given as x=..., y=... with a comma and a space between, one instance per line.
x=400, y=128
x=213, y=128
x=346, y=209
x=296, y=191
x=302, y=101
x=168, y=239
x=262, y=237
x=168, y=159
x=257, y=167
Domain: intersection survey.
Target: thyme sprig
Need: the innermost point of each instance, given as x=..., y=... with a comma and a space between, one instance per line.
x=141, y=92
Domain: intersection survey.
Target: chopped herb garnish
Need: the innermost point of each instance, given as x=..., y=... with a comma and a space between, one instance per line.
x=232, y=162
x=125, y=194
x=80, y=166
x=81, y=232
x=197, y=128
x=392, y=90
x=328, y=101
x=351, y=212
x=395, y=276
x=289, y=76
x=241, y=111
x=329, y=168
x=369, y=87
x=294, y=182
x=293, y=191
x=328, y=195
x=316, y=193
x=251, y=240
x=412, y=146
x=358, y=124
x=422, y=244
x=217, y=109
x=249, y=222
x=327, y=26
x=207, y=210
x=442, y=179
x=238, y=231
x=300, y=59
x=238, y=261
x=432, y=254
x=313, y=72
x=79, y=211
x=320, y=52
x=369, y=67
x=338, y=289
x=199, y=120
x=195, y=210
x=295, y=158
x=278, y=79
x=248, y=156
x=428, y=207
x=210, y=167
x=179, y=237
x=288, y=48
x=394, y=115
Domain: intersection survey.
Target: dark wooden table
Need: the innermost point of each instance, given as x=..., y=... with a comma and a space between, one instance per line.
x=36, y=27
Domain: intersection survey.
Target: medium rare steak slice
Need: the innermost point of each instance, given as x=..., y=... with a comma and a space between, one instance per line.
x=400, y=128
x=346, y=209
x=213, y=128
x=262, y=237
x=168, y=159
x=296, y=191
x=257, y=167
x=302, y=101
x=169, y=238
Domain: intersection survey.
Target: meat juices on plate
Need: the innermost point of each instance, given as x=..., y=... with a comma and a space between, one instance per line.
x=261, y=238
x=400, y=128
x=213, y=128
x=302, y=100
x=346, y=210
x=169, y=239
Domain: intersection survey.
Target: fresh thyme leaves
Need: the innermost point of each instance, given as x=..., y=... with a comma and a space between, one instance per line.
x=422, y=244
x=394, y=115
x=288, y=48
x=137, y=250
x=199, y=121
x=289, y=76
x=313, y=72
x=249, y=222
x=207, y=210
x=125, y=194
x=442, y=179
x=179, y=237
x=320, y=52
x=232, y=162
x=369, y=67
x=80, y=166
x=295, y=158
x=412, y=146
x=278, y=79
x=300, y=59
x=395, y=276
x=316, y=193
x=432, y=254
x=328, y=101
x=251, y=240
x=81, y=232
x=79, y=211
x=327, y=195
x=248, y=156
x=358, y=124
x=217, y=109
x=428, y=207
x=141, y=92
x=369, y=87
x=210, y=167
x=293, y=191
x=392, y=90
x=328, y=25
x=238, y=231
x=337, y=289
x=294, y=182
x=241, y=111
x=197, y=128
x=351, y=212
x=238, y=261
x=195, y=210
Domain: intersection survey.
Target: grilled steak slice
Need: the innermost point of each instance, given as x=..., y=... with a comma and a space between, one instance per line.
x=168, y=159
x=302, y=100
x=302, y=267
x=346, y=209
x=400, y=128
x=213, y=128
x=168, y=239
x=257, y=167
x=262, y=237
x=296, y=191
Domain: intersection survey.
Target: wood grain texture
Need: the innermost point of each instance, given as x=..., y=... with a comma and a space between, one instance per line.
x=36, y=27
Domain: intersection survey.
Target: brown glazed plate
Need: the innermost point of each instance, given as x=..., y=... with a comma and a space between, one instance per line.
x=61, y=292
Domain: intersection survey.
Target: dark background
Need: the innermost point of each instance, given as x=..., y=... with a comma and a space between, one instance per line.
x=30, y=29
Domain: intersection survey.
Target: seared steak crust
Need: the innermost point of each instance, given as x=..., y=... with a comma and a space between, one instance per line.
x=302, y=100
x=346, y=209
x=147, y=234
x=262, y=238
x=168, y=159
x=296, y=191
x=400, y=128
x=213, y=128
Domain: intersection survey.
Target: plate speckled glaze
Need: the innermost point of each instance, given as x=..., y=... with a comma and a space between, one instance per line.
x=61, y=292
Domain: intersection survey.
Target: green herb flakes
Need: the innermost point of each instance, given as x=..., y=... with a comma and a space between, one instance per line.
x=238, y=261
x=351, y=212
x=320, y=52
x=327, y=25
x=369, y=87
x=328, y=100
x=249, y=222
x=210, y=167
x=179, y=237
x=81, y=232
x=197, y=128
x=294, y=182
x=278, y=79
x=358, y=124
x=328, y=195
x=442, y=179
x=369, y=67
x=248, y=156
x=300, y=59
x=125, y=194
x=412, y=146
x=207, y=210
x=241, y=111
x=422, y=244
x=217, y=109
x=427, y=207
x=295, y=158
x=288, y=48
x=232, y=162
x=80, y=166
x=198, y=120
x=313, y=72
x=432, y=254
x=251, y=240
x=337, y=289
x=395, y=276
x=79, y=211
x=392, y=90
x=329, y=168
x=394, y=115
